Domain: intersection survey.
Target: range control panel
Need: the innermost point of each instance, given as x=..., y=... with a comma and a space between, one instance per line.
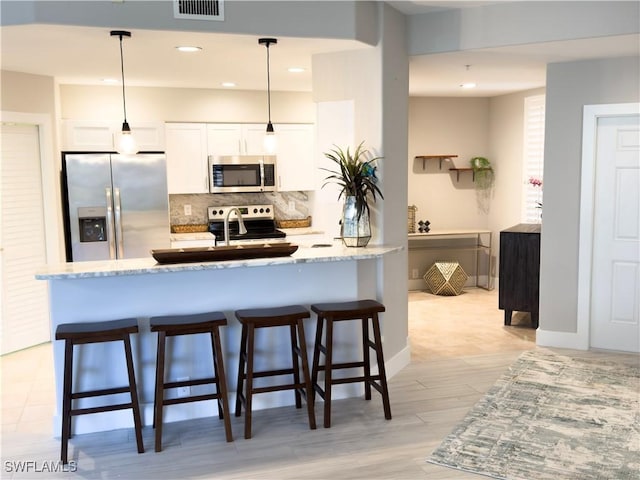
x=248, y=212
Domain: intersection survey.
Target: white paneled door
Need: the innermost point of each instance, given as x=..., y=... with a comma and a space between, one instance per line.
x=23, y=299
x=615, y=299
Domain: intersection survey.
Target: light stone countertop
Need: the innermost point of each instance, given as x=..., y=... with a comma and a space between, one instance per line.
x=145, y=266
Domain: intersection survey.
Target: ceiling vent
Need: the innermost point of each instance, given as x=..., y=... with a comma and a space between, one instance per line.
x=199, y=9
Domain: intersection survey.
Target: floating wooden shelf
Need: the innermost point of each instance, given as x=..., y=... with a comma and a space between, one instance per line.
x=466, y=169
x=424, y=158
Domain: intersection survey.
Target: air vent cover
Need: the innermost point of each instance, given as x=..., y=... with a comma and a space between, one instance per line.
x=199, y=9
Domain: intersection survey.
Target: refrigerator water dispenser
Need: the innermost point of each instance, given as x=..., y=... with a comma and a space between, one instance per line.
x=92, y=224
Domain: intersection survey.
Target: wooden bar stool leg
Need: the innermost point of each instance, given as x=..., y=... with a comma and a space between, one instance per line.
x=381, y=370
x=221, y=386
x=249, y=382
x=159, y=393
x=302, y=348
x=315, y=366
x=242, y=356
x=66, y=400
x=295, y=364
x=328, y=366
x=134, y=393
x=366, y=357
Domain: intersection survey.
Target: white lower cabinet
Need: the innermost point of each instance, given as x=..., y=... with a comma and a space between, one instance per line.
x=186, y=150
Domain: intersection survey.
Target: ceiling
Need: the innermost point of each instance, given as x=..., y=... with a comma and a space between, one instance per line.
x=87, y=55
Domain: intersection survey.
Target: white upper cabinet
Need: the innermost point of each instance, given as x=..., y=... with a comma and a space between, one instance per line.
x=94, y=136
x=235, y=139
x=186, y=149
x=188, y=146
x=295, y=162
x=84, y=135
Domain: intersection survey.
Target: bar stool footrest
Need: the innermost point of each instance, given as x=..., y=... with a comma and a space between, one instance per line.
x=101, y=392
x=105, y=408
x=192, y=398
x=277, y=388
x=189, y=383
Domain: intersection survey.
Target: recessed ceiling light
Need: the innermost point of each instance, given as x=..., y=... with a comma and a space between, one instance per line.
x=109, y=80
x=296, y=69
x=228, y=84
x=188, y=49
x=468, y=85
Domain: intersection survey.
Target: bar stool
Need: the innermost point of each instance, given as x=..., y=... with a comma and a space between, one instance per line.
x=357, y=310
x=97, y=332
x=251, y=319
x=175, y=325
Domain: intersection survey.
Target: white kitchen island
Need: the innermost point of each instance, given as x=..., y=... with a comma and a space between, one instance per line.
x=142, y=288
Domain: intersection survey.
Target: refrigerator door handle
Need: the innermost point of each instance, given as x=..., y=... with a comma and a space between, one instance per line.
x=111, y=234
x=118, y=217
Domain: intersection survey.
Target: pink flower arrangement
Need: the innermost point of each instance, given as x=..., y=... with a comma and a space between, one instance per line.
x=536, y=182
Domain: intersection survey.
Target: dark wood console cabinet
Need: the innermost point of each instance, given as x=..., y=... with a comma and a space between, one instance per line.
x=520, y=271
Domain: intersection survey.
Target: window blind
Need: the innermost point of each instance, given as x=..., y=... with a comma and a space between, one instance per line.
x=533, y=158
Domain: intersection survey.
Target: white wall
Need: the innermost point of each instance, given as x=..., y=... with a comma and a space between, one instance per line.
x=457, y=126
x=86, y=102
x=519, y=23
x=506, y=135
x=570, y=86
x=491, y=127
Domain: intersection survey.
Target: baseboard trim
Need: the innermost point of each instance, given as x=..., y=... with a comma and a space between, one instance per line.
x=398, y=361
x=574, y=341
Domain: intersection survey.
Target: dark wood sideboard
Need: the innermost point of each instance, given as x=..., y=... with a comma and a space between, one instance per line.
x=520, y=271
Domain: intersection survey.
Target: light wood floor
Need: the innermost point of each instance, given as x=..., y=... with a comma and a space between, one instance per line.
x=459, y=349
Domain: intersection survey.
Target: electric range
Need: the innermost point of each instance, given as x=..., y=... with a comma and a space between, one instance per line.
x=259, y=220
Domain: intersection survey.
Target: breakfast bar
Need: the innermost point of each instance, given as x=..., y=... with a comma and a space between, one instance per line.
x=143, y=288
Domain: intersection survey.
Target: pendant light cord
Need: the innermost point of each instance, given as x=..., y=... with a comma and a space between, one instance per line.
x=124, y=100
x=268, y=86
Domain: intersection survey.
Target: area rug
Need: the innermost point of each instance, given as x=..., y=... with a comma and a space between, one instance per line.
x=552, y=417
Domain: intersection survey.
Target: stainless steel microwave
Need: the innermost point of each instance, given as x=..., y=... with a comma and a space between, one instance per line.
x=242, y=173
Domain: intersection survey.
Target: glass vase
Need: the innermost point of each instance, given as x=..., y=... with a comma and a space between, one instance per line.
x=356, y=231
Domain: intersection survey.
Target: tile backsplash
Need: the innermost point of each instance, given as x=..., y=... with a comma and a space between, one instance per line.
x=199, y=202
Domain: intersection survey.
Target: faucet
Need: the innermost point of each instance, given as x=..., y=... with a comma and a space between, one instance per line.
x=242, y=228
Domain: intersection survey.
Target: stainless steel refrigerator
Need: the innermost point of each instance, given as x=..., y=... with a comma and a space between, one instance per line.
x=116, y=206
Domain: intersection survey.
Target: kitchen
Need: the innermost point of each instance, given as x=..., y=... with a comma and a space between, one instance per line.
x=367, y=115
x=296, y=108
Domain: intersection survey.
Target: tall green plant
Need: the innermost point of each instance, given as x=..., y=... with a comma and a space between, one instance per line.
x=356, y=175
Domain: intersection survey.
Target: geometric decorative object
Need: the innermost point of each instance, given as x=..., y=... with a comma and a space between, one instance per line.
x=423, y=226
x=446, y=278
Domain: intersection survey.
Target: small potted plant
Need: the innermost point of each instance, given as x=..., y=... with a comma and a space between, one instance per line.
x=482, y=172
x=356, y=174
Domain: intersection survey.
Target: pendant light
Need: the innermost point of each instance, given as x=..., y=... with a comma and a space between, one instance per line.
x=126, y=143
x=270, y=141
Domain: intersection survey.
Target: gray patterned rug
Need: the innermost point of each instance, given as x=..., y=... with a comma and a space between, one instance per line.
x=552, y=417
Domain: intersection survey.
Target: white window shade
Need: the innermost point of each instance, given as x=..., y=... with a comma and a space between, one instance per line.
x=533, y=158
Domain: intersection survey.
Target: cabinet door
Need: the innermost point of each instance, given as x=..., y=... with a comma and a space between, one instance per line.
x=186, y=149
x=87, y=135
x=295, y=156
x=149, y=136
x=253, y=138
x=224, y=139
